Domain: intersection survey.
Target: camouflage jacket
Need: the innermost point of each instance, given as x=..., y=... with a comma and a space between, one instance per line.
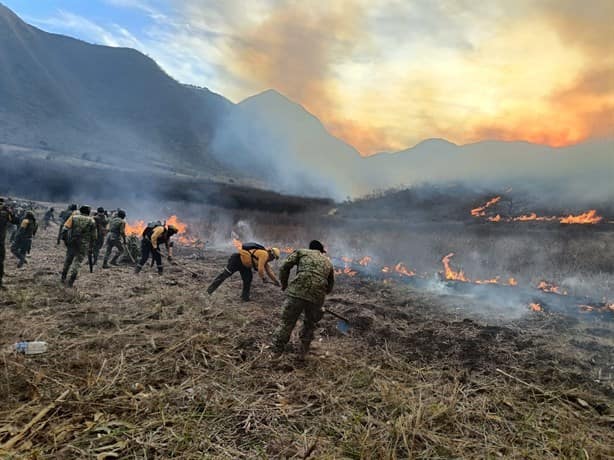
x=117, y=227
x=101, y=224
x=315, y=276
x=82, y=229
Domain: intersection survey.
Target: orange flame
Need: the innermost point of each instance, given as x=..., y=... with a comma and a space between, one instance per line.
x=449, y=273
x=135, y=228
x=536, y=307
x=490, y=281
x=589, y=217
x=386, y=270
x=366, y=260
x=590, y=308
x=481, y=211
x=287, y=250
x=512, y=282
x=402, y=269
x=550, y=287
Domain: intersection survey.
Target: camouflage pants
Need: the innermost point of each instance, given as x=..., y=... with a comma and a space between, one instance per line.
x=291, y=312
x=73, y=260
x=98, y=246
x=113, y=242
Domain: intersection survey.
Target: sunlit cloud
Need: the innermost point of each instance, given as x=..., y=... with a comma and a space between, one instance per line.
x=386, y=74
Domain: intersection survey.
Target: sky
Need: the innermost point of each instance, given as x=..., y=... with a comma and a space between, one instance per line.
x=381, y=74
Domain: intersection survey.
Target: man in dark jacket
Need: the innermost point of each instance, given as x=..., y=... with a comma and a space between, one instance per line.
x=22, y=243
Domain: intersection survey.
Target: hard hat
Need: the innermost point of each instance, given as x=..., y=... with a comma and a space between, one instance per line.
x=173, y=229
x=85, y=210
x=276, y=252
x=121, y=213
x=100, y=210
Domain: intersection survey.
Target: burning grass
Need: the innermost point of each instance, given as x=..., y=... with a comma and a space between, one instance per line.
x=150, y=367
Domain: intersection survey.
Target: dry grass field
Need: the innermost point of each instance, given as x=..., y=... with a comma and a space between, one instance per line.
x=152, y=367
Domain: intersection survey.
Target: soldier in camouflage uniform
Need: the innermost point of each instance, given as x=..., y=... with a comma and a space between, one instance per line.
x=102, y=221
x=23, y=238
x=6, y=218
x=63, y=217
x=115, y=238
x=315, y=279
x=81, y=237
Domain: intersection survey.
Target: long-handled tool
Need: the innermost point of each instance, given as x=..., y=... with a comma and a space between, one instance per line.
x=343, y=324
x=127, y=250
x=194, y=274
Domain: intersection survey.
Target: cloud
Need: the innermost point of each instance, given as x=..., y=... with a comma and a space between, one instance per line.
x=386, y=74
x=73, y=24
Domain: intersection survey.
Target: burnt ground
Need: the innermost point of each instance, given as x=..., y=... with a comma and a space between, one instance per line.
x=152, y=367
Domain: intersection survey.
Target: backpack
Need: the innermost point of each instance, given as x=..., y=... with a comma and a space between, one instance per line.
x=150, y=228
x=251, y=248
x=74, y=237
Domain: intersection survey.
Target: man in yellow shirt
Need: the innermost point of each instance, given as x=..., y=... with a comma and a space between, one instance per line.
x=254, y=257
x=153, y=237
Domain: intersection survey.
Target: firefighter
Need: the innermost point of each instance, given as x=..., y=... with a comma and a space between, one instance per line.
x=154, y=235
x=80, y=237
x=314, y=279
x=22, y=243
x=116, y=238
x=6, y=218
x=244, y=261
x=48, y=218
x=64, y=215
x=102, y=220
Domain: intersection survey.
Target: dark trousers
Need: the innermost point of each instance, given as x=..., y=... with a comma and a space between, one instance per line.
x=146, y=250
x=234, y=265
x=2, y=256
x=21, y=247
x=97, y=246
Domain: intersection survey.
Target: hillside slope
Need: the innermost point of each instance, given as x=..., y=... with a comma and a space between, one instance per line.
x=69, y=96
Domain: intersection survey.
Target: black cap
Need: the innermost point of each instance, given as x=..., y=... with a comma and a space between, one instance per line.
x=100, y=210
x=85, y=209
x=121, y=213
x=315, y=244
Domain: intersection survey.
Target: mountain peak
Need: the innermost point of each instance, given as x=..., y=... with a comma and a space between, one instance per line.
x=435, y=142
x=269, y=96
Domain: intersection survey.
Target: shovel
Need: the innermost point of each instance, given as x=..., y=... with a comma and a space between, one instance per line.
x=185, y=270
x=343, y=324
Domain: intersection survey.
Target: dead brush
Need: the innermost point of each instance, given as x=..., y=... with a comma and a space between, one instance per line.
x=127, y=376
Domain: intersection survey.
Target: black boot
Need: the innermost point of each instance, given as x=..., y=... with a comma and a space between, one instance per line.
x=114, y=260
x=160, y=270
x=138, y=269
x=71, y=280
x=105, y=264
x=64, y=277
